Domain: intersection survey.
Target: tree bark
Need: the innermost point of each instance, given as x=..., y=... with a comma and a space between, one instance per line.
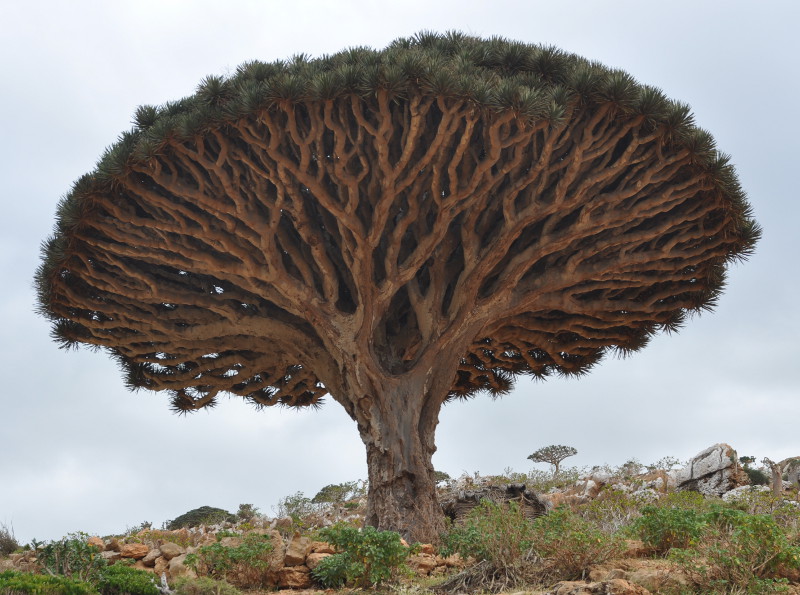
x=397, y=415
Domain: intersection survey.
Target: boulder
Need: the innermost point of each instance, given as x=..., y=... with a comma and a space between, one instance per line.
x=110, y=556
x=323, y=547
x=294, y=577
x=161, y=565
x=137, y=551
x=297, y=550
x=422, y=564
x=712, y=472
x=113, y=545
x=150, y=559
x=177, y=567
x=314, y=558
x=169, y=550
x=96, y=542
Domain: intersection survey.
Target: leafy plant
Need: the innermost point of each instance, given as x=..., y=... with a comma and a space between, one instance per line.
x=497, y=532
x=120, y=579
x=247, y=512
x=203, y=585
x=569, y=544
x=666, y=527
x=245, y=565
x=612, y=510
x=739, y=551
x=366, y=557
x=17, y=583
x=73, y=557
x=336, y=493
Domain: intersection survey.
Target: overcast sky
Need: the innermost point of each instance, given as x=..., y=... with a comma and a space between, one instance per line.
x=79, y=452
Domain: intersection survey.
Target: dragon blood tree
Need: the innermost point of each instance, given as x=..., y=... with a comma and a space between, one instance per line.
x=397, y=229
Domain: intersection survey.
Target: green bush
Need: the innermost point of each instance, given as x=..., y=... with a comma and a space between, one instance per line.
x=71, y=556
x=245, y=565
x=757, y=477
x=203, y=586
x=569, y=544
x=663, y=528
x=498, y=533
x=205, y=515
x=612, y=511
x=365, y=557
x=739, y=552
x=120, y=579
x=12, y=582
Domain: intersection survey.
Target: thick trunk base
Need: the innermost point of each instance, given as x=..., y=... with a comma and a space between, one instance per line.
x=405, y=502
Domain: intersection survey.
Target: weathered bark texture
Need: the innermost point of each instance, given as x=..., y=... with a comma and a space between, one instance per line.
x=393, y=250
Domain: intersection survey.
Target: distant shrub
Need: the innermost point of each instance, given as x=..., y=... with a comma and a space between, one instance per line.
x=336, y=493
x=247, y=513
x=205, y=515
x=8, y=543
x=203, y=586
x=18, y=583
x=246, y=565
x=120, y=579
x=366, y=557
x=570, y=544
x=757, y=477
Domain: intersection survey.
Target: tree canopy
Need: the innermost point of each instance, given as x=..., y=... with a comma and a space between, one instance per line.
x=394, y=227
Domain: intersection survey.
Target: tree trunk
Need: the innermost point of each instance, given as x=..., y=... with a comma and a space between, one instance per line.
x=402, y=490
x=397, y=417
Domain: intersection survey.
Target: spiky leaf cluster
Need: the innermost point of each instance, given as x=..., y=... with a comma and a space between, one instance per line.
x=534, y=207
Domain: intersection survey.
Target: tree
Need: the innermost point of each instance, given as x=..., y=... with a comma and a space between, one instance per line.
x=553, y=454
x=395, y=229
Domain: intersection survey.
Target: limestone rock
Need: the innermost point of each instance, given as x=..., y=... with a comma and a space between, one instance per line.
x=137, y=551
x=712, y=472
x=314, y=558
x=161, y=565
x=96, y=542
x=422, y=564
x=322, y=547
x=294, y=577
x=177, y=567
x=110, y=556
x=297, y=550
x=659, y=580
x=169, y=550
x=150, y=559
x=113, y=545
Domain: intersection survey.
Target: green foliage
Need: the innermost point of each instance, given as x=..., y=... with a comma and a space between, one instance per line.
x=496, y=532
x=17, y=583
x=570, y=544
x=440, y=476
x=73, y=557
x=205, y=515
x=246, y=564
x=336, y=493
x=366, y=557
x=295, y=506
x=124, y=580
x=666, y=527
x=203, y=585
x=8, y=543
x=739, y=551
x=757, y=476
x=246, y=512
x=612, y=510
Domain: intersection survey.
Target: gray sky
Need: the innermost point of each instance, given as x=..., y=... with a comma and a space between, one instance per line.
x=79, y=452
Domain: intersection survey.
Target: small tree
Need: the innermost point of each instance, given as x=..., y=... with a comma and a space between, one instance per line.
x=553, y=454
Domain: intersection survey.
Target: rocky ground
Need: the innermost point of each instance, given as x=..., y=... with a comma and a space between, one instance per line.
x=714, y=472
